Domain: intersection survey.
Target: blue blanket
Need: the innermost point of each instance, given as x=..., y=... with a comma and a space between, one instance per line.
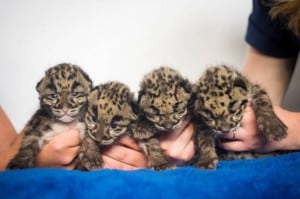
x=273, y=177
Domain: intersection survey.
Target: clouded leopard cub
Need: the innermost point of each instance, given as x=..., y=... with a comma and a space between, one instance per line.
x=108, y=117
x=63, y=99
x=162, y=105
x=222, y=94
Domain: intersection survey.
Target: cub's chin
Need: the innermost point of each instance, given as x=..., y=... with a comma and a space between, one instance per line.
x=66, y=119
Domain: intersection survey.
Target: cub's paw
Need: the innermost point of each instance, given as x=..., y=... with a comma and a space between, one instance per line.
x=90, y=164
x=207, y=164
x=161, y=166
x=272, y=127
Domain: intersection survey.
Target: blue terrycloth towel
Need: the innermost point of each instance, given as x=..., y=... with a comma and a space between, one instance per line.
x=273, y=177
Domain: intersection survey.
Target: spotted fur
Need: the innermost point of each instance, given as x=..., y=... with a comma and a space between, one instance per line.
x=63, y=100
x=108, y=117
x=162, y=103
x=222, y=95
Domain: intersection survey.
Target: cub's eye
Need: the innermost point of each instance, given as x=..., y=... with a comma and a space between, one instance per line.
x=153, y=118
x=179, y=106
x=94, y=118
x=207, y=114
x=182, y=112
x=113, y=125
x=115, y=122
x=53, y=96
x=236, y=117
x=74, y=94
x=209, y=119
x=153, y=110
x=90, y=120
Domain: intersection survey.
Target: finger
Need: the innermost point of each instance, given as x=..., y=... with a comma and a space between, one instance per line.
x=115, y=164
x=70, y=166
x=175, y=133
x=49, y=157
x=68, y=138
x=182, y=140
x=126, y=155
x=248, y=116
x=68, y=154
x=185, y=155
x=128, y=142
x=233, y=145
x=184, y=132
x=234, y=135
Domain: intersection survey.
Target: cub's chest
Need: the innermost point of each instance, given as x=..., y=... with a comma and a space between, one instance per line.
x=58, y=128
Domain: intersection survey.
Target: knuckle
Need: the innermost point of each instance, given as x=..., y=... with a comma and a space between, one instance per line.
x=57, y=147
x=173, y=154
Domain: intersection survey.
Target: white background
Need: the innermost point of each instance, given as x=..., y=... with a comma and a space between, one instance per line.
x=113, y=40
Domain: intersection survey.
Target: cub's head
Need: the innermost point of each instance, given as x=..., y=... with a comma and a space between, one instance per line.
x=109, y=112
x=220, y=98
x=164, y=98
x=63, y=92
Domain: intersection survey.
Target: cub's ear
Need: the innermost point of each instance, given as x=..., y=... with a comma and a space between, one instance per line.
x=84, y=77
x=40, y=85
x=240, y=82
x=191, y=101
x=140, y=94
x=94, y=93
x=186, y=85
x=126, y=95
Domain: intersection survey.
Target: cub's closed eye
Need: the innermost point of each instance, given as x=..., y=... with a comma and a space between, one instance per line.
x=94, y=118
x=206, y=113
x=182, y=111
x=178, y=106
x=153, y=110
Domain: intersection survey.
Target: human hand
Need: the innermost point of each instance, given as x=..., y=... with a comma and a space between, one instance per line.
x=60, y=151
x=178, y=146
x=246, y=137
x=124, y=154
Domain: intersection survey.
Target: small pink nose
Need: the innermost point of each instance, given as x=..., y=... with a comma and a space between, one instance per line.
x=65, y=109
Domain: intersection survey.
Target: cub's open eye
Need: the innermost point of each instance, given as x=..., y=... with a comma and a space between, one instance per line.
x=75, y=94
x=113, y=125
x=115, y=122
x=53, y=96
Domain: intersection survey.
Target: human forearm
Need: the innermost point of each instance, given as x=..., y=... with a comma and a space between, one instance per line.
x=7, y=131
x=273, y=74
x=9, y=153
